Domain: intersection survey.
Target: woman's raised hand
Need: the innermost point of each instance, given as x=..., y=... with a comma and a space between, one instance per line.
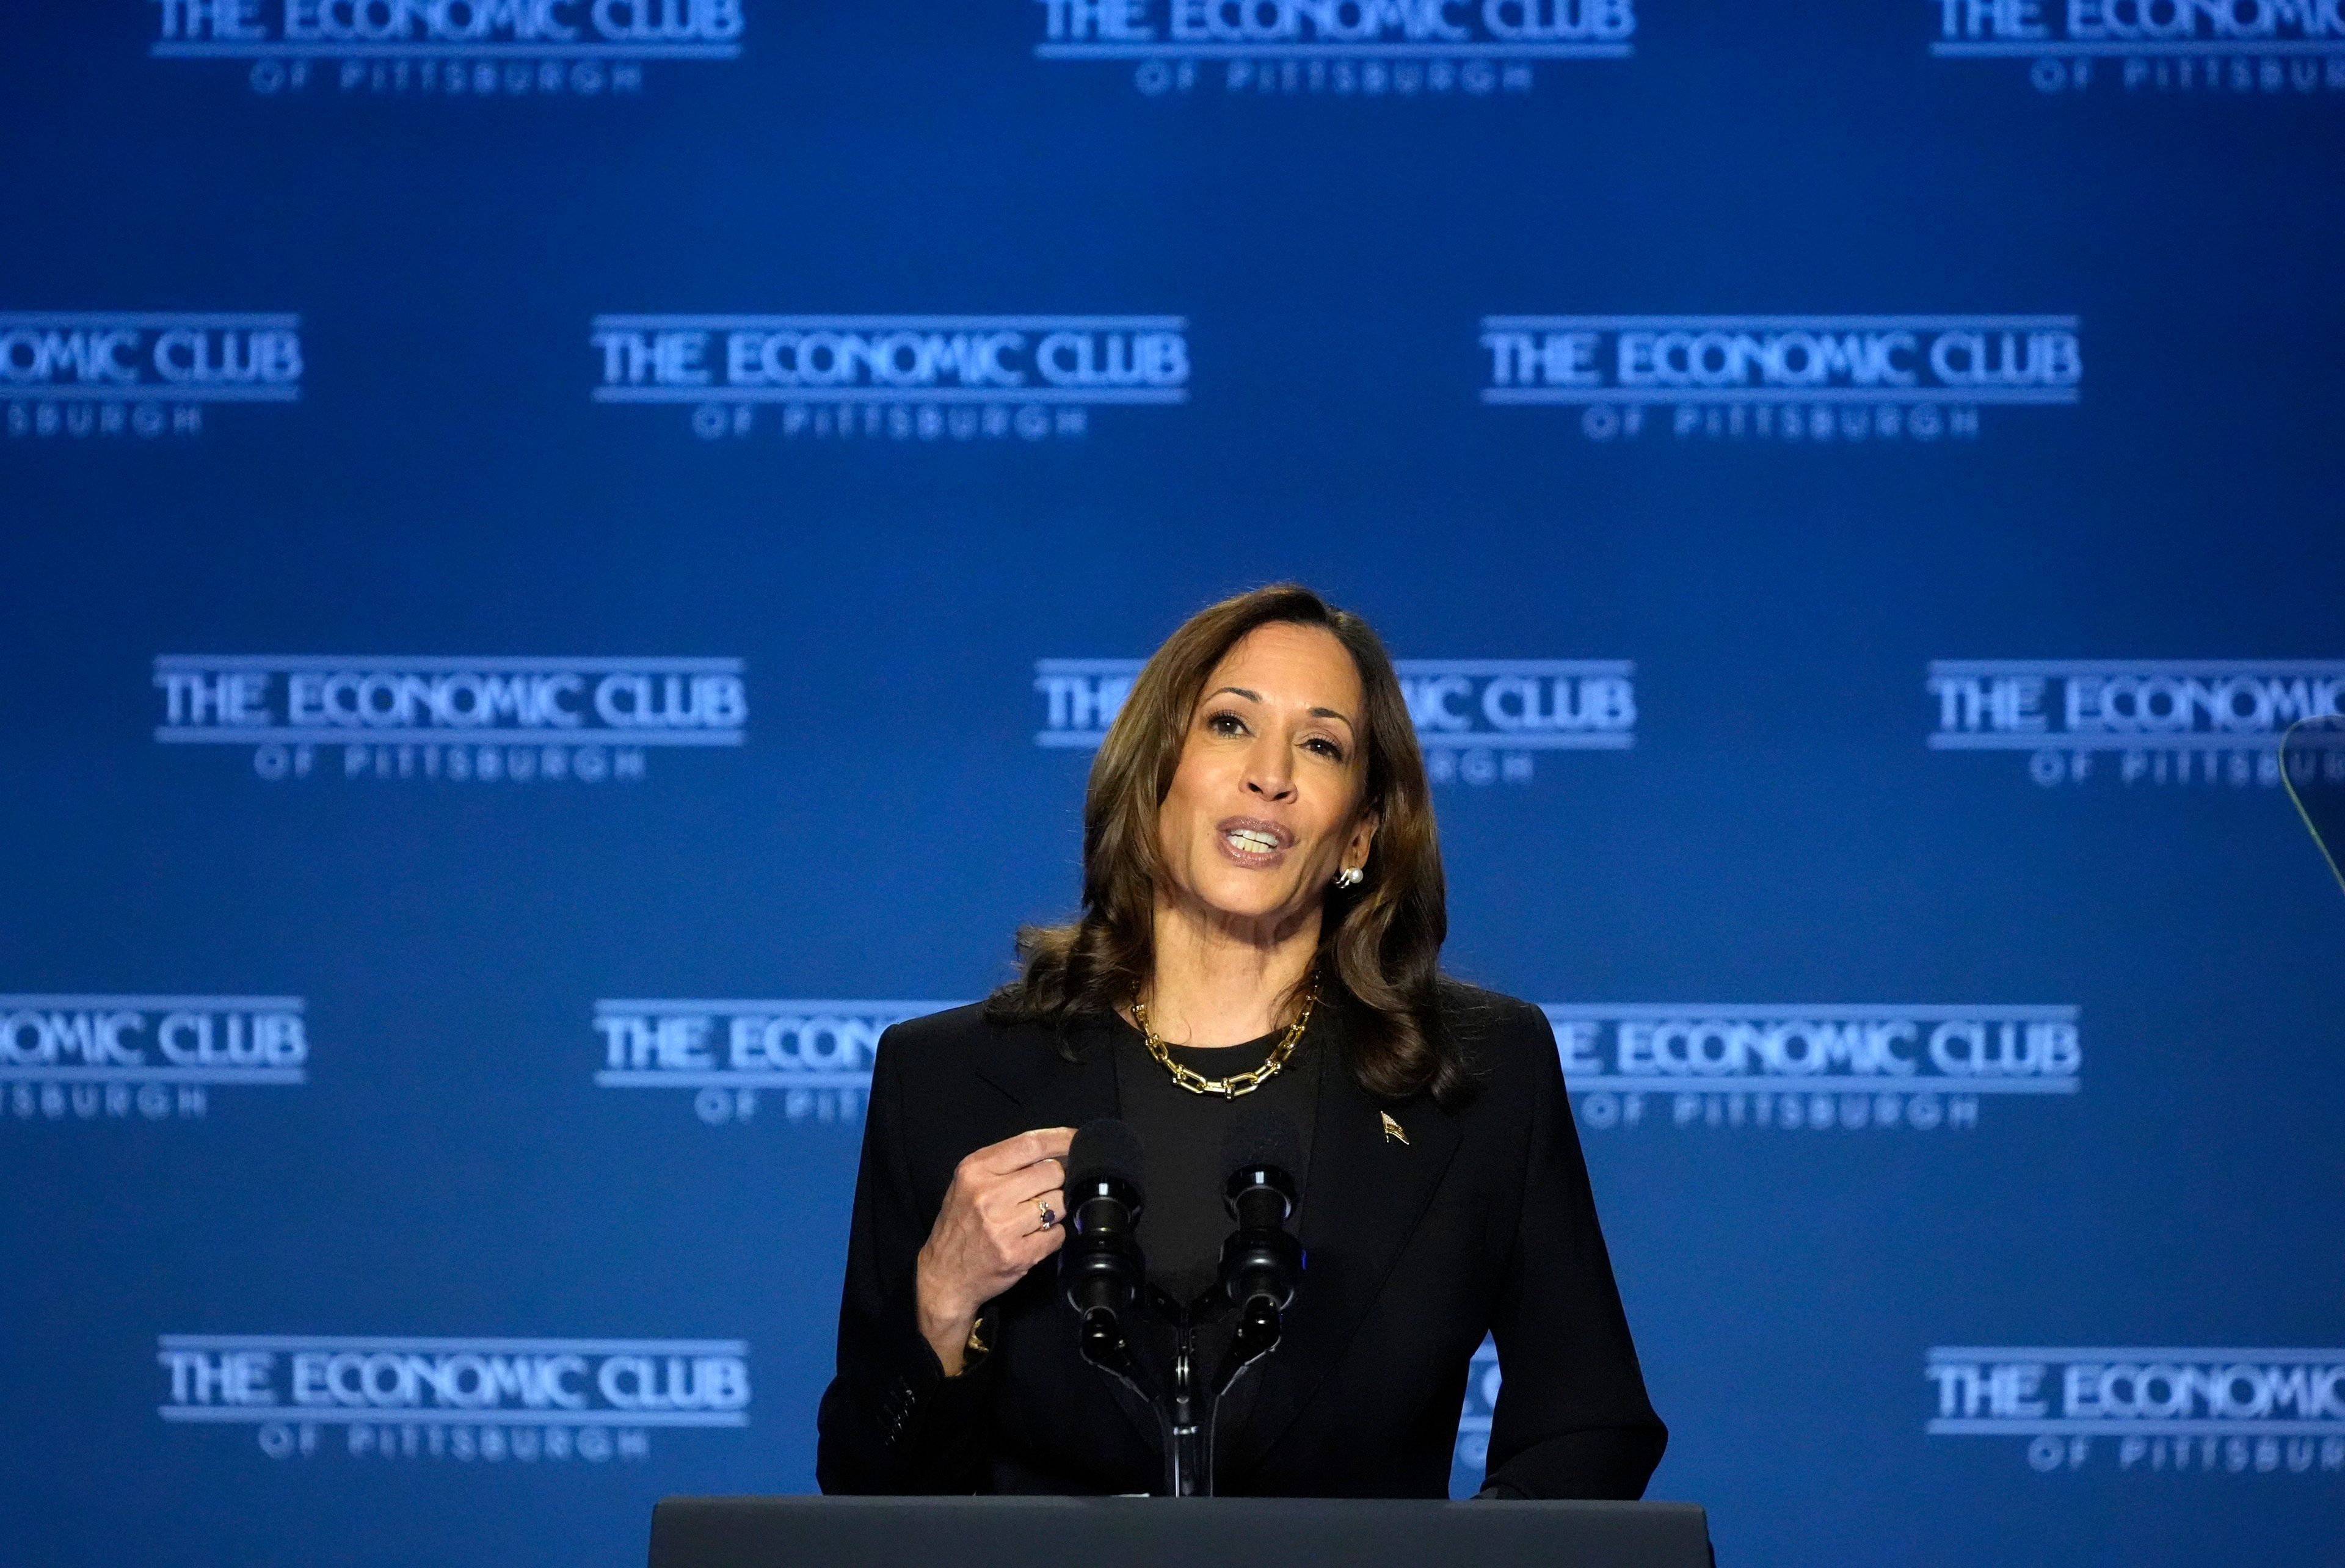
x=989, y=1233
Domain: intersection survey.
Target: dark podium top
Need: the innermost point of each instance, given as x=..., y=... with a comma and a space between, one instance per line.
x=1170, y=1533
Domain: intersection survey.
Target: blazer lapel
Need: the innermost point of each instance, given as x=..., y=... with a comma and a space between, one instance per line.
x=1042, y=1088
x=1364, y=1196
x=1047, y=1090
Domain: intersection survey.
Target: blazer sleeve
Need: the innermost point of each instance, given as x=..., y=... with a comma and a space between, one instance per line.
x=891, y=1422
x=1572, y=1419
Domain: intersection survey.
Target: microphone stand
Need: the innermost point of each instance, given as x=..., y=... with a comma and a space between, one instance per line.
x=1188, y=1441
x=1186, y=1462
x=1258, y=1335
x=1101, y=1342
x=1188, y=1417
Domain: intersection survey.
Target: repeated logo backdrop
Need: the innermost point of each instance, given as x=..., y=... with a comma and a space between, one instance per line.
x=553, y=546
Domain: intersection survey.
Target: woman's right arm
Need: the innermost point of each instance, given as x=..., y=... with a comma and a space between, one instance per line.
x=897, y=1418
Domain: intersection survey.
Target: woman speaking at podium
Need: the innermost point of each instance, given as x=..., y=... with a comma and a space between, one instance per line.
x=1262, y=914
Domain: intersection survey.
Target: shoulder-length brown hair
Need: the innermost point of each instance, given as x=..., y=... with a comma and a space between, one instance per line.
x=1379, y=943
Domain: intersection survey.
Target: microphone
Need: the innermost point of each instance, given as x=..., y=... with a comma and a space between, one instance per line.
x=1262, y=1261
x=1100, y=1265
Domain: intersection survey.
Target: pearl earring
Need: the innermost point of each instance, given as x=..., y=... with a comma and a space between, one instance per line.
x=1350, y=876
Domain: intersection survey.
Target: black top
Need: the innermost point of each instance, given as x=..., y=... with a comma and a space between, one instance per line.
x=1481, y=1222
x=1183, y=1220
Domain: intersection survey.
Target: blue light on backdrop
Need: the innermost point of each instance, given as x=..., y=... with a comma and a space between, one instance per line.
x=567, y=559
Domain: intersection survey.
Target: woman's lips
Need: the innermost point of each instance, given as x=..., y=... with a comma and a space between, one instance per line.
x=1250, y=841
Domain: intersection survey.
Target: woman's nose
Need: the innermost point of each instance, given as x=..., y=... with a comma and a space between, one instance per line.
x=1269, y=773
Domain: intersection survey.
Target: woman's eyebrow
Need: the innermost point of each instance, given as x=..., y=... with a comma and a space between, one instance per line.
x=1237, y=692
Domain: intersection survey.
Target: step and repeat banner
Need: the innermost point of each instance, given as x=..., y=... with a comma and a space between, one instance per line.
x=566, y=561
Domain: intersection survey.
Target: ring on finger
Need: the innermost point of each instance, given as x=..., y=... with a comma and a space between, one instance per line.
x=1049, y=1215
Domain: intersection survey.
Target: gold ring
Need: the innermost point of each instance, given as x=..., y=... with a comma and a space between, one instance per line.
x=1050, y=1218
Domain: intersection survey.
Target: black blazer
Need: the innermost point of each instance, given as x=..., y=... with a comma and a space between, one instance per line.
x=1482, y=1221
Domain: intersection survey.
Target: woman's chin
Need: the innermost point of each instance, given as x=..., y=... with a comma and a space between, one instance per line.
x=1250, y=904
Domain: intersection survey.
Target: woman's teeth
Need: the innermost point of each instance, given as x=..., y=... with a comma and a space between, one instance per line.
x=1247, y=841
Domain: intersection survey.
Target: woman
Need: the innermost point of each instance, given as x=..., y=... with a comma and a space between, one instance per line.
x=1263, y=916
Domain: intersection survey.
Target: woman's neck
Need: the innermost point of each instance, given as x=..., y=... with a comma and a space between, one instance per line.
x=1222, y=983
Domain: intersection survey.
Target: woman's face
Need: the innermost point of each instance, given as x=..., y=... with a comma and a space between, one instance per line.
x=1265, y=805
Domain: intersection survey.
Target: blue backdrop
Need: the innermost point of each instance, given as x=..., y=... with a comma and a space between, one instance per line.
x=564, y=560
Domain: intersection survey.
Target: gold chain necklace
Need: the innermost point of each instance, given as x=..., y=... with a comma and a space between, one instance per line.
x=1236, y=1084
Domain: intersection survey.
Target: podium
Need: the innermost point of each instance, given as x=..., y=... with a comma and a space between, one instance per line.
x=1170, y=1532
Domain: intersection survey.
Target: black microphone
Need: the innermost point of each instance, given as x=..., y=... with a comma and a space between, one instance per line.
x=1262, y=1261
x=1100, y=1265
